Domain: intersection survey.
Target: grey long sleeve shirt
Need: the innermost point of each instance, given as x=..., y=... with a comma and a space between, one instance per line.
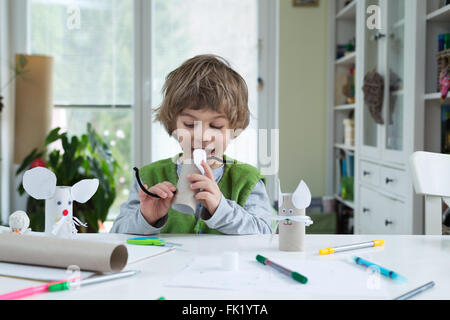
x=229, y=218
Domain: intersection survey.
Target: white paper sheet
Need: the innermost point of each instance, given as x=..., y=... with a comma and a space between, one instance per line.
x=136, y=253
x=327, y=278
x=36, y=272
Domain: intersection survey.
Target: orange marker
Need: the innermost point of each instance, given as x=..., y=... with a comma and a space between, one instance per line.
x=330, y=250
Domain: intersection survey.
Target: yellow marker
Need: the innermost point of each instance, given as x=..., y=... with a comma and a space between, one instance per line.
x=330, y=250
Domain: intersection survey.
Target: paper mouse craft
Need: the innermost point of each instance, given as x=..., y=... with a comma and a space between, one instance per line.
x=292, y=217
x=40, y=183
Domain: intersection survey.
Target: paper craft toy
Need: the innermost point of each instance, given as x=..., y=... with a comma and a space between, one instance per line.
x=19, y=222
x=40, y=183
x=184, y=200
x=292, y=217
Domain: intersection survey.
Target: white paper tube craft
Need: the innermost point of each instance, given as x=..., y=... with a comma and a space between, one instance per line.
x=40, y=183
x=292, y=217
x=184, y=200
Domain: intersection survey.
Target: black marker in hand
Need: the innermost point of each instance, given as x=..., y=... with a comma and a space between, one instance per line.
x=142, y=186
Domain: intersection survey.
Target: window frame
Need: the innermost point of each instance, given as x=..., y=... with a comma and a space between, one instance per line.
x=268, y=26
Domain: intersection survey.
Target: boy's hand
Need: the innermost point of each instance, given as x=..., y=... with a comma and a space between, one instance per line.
x=210, y=195
x=152, y=208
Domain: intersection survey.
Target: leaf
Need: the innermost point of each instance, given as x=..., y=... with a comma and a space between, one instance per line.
x=52, y=136
x=53, y=159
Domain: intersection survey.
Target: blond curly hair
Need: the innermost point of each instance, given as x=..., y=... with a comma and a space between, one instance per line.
x=204, y=81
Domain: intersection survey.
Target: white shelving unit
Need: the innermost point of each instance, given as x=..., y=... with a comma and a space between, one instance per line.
x=342, y=32
x=438, y=15
x=437, y=22
x=347, y=60
x=404, y=50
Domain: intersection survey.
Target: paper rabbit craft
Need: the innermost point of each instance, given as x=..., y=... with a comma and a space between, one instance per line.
x=292, y=217
x=40, y=183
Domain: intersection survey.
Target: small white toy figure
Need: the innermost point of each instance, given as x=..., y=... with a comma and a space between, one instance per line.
x=292, y=218
x=40, y=183
x=19, y=222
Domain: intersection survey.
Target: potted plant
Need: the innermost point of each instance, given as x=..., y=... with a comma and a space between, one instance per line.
x=84, y=157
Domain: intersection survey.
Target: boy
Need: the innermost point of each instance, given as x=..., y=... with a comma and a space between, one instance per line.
x=204, y=106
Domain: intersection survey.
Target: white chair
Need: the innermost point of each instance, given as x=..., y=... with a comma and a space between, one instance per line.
x=431, y=177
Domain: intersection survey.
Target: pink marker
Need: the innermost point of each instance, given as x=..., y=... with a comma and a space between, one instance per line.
x=31, y=290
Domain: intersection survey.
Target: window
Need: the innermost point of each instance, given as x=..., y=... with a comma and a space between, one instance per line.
x=183, y=29
x=91, y=42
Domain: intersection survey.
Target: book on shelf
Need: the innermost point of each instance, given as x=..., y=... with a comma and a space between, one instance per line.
x=346, y=175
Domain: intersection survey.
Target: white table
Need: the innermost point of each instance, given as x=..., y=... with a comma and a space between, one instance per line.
x=420, y=258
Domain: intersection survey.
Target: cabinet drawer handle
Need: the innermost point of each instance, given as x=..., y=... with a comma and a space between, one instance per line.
x=378, y=36
x=388, y=180
x=366, y=210
x=387, y=222
x=366, y=173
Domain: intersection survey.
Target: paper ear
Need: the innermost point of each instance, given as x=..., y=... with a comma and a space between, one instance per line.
x=40, y=183
x=280, y=195
x=199, y=155
x=84, y=190
x=301, y=198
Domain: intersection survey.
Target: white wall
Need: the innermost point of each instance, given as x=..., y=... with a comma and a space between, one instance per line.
x=302, y=96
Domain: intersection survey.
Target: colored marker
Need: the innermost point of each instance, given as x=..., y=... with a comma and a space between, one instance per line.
x=330, y=250
x=418, y=290
x=385, y=272
x=22, y=293
x=294, y=275
x=67, y=285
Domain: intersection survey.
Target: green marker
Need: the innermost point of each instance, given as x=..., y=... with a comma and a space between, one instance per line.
x=294, y=275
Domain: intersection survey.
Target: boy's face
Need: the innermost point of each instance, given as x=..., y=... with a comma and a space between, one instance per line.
x=203, y=129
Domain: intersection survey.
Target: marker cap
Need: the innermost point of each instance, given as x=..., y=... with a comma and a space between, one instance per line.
x=325, y=251
x=298, y=277
x=377, y=243
x=59, y=286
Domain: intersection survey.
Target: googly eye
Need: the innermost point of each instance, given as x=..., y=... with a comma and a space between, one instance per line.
x=291, y=211
x=70, y=203
x=283, y=210
x=59, y=203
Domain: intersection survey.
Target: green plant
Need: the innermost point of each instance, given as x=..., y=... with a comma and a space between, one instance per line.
x=84, y=157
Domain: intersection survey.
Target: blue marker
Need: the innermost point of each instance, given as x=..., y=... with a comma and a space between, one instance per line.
x=385, y=272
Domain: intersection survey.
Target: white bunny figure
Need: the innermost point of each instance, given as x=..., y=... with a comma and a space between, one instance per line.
x=292, y=217
x=40, y=183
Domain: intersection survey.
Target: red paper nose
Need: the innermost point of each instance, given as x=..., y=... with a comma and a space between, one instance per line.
x=65, y=212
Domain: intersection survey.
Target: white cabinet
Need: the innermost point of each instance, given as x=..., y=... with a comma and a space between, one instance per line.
x=383, y=130
x=389, y=135
x=381, y=214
